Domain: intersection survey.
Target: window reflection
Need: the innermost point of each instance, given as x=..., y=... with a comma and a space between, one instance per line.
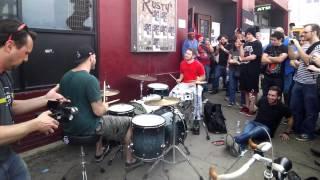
x=8, y=9
x=57, y=14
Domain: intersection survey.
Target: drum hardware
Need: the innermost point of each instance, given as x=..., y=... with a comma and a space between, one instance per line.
x=116, y=100
x=202, y=122
x=141, y=78
x=172, y=147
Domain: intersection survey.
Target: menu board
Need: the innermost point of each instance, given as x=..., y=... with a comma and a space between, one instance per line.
x=153, y=25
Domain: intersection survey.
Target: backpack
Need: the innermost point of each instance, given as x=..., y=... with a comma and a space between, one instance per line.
x=214, y=118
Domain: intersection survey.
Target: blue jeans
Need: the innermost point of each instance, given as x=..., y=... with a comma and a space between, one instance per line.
x=219, y=71
x=207, y=69
x=232, y=88
x=305, y=107
x=14, y=168
x=252, y=130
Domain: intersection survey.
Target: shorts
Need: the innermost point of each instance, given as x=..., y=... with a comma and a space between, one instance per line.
x=249, y=79
x=113, y=127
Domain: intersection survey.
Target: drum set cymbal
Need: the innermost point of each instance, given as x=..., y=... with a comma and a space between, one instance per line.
x=142, y=77
x=164, y=101
x=109, y=92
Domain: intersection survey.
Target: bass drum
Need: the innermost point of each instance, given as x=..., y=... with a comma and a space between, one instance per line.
x=181, y=126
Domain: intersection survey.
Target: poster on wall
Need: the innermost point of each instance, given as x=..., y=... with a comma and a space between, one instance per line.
x=153, y=25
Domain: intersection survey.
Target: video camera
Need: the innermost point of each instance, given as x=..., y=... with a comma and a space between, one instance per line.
x=62, y=111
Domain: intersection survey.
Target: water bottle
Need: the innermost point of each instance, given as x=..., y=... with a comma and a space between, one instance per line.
x=238, y=129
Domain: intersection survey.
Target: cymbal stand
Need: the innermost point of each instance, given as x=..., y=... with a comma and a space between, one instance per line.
x=141, y=89
x=173, y=147
x=196, y=115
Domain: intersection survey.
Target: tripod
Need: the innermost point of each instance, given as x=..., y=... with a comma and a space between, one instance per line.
x=173, y=147
x=198, y=110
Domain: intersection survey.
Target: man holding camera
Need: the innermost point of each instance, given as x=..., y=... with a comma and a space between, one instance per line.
x=16, y=43
x=273, y=57
x=304, y=99
x=83, y=90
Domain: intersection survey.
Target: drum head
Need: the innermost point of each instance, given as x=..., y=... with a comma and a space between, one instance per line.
x=121, y=108
x=158, y=86
x=148, y=120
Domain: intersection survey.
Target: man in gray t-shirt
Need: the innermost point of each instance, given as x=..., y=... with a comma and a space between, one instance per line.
x=304, y=103
x=16, y=43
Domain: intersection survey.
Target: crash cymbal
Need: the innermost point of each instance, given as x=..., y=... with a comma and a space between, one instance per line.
x=142, y=77
x=110, y=92
x=165, y=101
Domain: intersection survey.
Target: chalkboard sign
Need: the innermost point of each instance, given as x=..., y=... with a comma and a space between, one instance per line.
x=153, y=25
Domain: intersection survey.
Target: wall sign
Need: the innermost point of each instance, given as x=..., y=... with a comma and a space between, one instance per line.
x=265, y=7
x=153, y=25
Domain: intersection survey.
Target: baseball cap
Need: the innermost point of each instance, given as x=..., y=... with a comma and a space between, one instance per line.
x=82, y=54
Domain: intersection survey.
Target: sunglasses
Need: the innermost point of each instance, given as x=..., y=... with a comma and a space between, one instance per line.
x=19, y=29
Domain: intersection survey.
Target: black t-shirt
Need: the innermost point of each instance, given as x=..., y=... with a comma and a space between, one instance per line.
x=275, y=69
x=223, y=56
x=255, y=48
x=271, y=115
x=6, y=99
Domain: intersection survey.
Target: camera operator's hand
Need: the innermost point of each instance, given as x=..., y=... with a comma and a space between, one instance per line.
x=294, y=42
x=46, y=124
x=313, y=68
x=53, y=94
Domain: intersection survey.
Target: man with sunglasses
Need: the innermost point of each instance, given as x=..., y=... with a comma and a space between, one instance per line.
x=16, y=43
x=304, y=99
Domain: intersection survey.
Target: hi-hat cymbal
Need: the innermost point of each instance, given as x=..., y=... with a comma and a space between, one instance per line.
x=165, y=101
x=142, y=77
x=110, y=92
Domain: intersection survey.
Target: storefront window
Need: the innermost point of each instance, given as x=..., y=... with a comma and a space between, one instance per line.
x=8, y=9
x=61, y=15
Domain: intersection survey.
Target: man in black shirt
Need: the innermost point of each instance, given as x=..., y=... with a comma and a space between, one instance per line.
x=223, y=50
x=273, y=57
x=271, y=111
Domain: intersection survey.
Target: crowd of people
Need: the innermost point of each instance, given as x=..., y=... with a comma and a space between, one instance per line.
x=286, y=71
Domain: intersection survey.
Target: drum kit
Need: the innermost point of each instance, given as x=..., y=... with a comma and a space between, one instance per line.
x=158, y=126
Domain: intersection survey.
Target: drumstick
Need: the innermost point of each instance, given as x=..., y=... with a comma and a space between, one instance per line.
x=104, y=91
x=110, y=102
x=173, y=77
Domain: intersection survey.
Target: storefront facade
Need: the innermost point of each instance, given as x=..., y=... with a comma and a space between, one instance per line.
x=105, y=25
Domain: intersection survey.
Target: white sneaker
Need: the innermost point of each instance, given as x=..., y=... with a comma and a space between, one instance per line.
x=242, y=153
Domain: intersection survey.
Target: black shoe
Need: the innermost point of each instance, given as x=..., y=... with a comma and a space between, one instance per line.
x=214, y=91
x=196, y=127
x=315, y=151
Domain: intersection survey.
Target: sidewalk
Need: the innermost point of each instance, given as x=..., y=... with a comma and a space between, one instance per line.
x=52, y=164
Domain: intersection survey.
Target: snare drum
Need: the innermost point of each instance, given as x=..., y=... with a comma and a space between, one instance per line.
x=141, y=108
x=148, y=136
x=121, y=109
x=158, y=88
x=183, y=91
x=181, y=125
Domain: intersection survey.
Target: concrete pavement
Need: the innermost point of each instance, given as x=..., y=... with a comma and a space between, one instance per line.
x=51, y=164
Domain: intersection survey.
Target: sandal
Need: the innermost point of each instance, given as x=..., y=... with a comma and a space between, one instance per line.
x=105, y=152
